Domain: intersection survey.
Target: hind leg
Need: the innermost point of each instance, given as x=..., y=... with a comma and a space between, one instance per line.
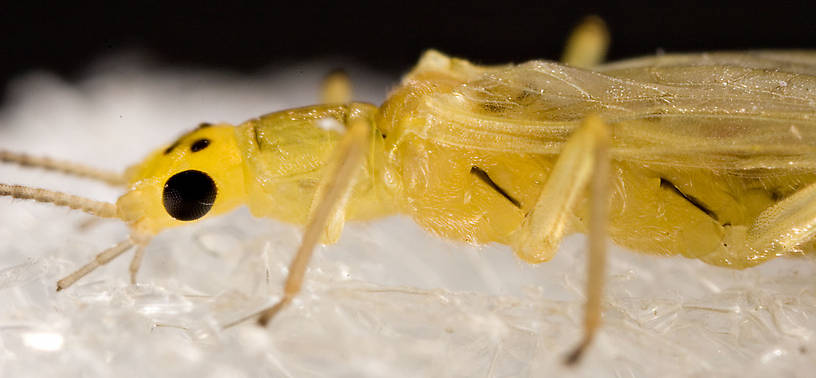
x=587, y=44
x=784, y=227
x=336, y=88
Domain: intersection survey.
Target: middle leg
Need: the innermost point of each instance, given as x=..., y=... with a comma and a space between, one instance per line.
x=584, y=161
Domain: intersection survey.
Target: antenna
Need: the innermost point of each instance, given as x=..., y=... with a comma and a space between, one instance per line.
x=75, y=169
x=93, y=207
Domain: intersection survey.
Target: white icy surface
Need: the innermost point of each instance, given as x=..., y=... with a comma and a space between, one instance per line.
x=387, y=300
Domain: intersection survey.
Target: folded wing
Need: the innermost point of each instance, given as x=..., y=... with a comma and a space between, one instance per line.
x=724, y=110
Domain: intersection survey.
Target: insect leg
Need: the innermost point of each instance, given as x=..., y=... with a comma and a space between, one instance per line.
x=596, y=262
x=783, y=227
x=587, y=44
x=336, y=88
x=583, y=160
x=543, y=228
x=339, y=180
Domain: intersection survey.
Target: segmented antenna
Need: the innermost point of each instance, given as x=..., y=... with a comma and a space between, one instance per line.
x=98, y=208
x=79, y=170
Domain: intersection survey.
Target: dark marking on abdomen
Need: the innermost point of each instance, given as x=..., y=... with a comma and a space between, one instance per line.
x=482, y=175
x=666, y=184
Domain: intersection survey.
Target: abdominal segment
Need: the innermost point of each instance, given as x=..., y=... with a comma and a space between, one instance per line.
x=483, y=196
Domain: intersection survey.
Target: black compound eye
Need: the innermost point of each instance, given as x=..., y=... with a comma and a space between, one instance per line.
x=189, y=195
x=200, y=145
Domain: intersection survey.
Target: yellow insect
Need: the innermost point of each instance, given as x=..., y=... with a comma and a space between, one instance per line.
x=711, y=156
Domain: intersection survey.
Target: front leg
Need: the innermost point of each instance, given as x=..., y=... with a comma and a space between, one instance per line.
x=337, y=183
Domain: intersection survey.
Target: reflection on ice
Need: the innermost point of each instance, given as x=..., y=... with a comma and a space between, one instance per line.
x=44, y=341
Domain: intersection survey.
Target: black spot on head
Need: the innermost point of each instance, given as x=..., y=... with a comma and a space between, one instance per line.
x=189, y=195
x=172, y=146
x=200, y=144
x=204, y=125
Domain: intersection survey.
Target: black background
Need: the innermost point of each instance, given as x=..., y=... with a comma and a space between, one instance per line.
x=386, y=36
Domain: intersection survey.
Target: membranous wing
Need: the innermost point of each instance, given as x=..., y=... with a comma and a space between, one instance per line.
x=728, y=110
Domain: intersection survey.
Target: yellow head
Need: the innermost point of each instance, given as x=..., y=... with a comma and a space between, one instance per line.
x=199, y=175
